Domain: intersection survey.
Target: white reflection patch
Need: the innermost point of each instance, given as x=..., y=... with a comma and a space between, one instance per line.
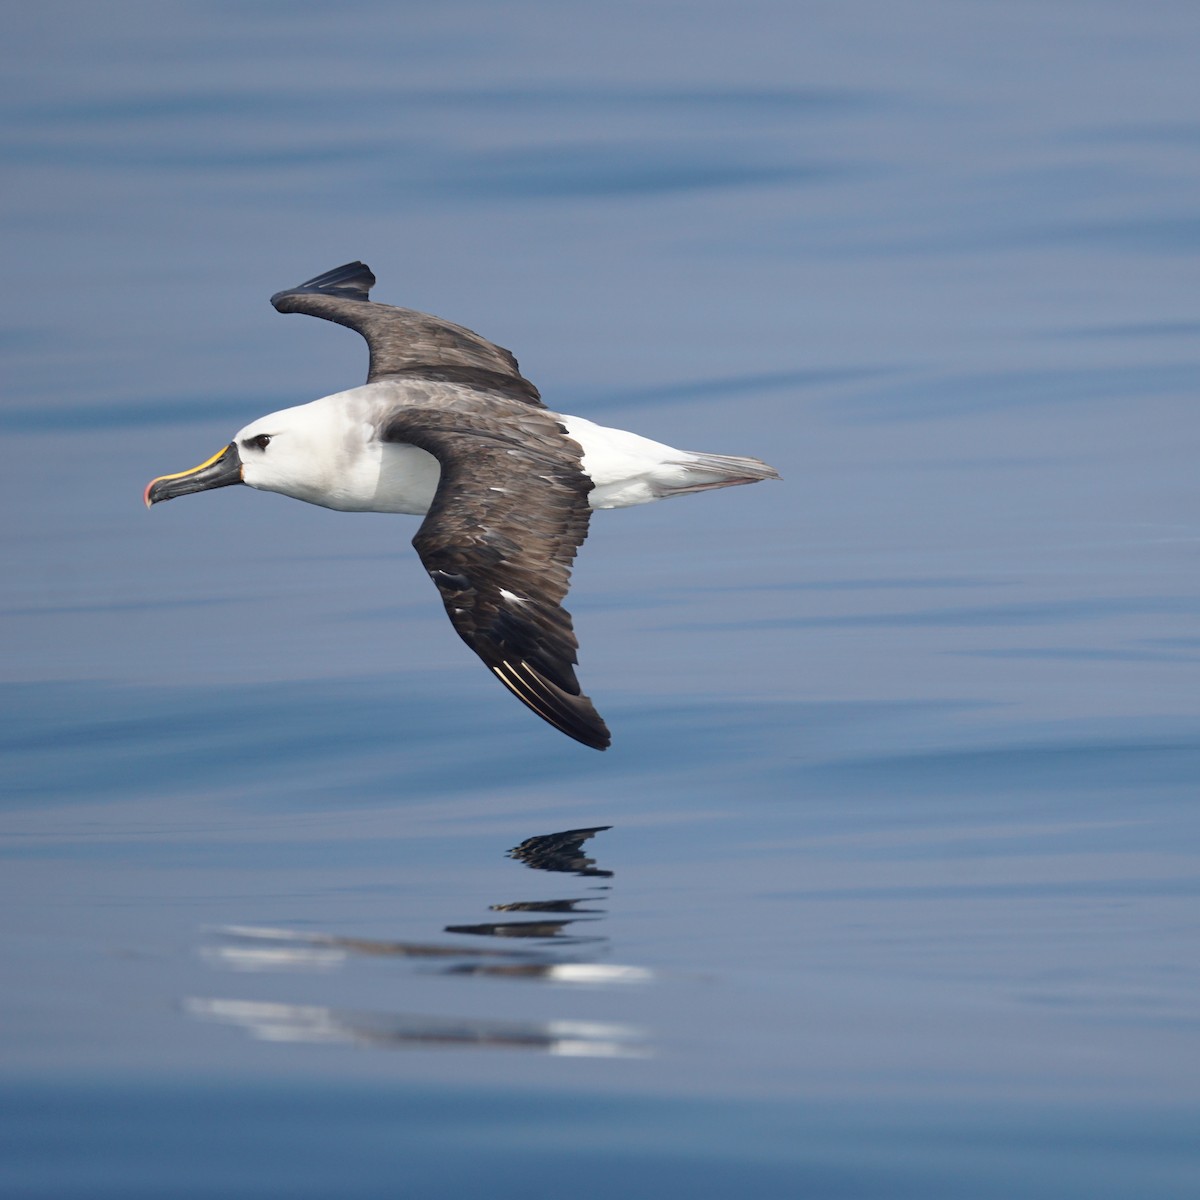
x=275, y=1022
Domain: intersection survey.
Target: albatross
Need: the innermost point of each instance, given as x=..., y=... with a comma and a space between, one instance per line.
x=446, y=427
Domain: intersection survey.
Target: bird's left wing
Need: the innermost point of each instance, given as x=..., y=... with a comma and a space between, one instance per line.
x=405, y=343
x=510, y=511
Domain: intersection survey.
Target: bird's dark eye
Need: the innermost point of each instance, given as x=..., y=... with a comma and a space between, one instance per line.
x=260, y=443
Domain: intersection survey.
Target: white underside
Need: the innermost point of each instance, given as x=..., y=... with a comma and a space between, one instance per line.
x=625, y=468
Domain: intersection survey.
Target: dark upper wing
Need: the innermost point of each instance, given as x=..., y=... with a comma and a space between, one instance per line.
x=510, y=511
x=404, y=342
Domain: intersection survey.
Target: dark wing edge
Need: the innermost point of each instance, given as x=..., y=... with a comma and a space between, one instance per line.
x=404, y=342
x=510, y=512
x=352, y=281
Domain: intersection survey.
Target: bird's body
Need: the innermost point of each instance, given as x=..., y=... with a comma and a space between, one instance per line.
x=447, y=428
x=348, y=467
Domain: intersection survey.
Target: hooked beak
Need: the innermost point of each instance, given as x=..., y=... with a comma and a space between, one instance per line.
x=224, y=468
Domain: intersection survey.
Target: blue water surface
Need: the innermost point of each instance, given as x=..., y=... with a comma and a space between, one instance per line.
x=889, y=885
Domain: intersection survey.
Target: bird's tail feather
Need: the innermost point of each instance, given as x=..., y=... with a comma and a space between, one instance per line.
x=706, y=471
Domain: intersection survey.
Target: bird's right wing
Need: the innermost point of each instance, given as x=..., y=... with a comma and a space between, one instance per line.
x=404, y=342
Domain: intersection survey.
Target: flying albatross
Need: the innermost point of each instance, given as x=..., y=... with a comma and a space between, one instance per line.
x=447, y=427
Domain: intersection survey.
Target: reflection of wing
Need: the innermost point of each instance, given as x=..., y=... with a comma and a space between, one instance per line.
x=559, y=852
x=510, y=511
x=404, y=342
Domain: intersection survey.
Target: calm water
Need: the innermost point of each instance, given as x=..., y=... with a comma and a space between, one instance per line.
x=889, y=885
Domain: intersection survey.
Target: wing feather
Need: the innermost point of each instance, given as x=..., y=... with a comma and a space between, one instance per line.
x=510, y=512
x=404, y=342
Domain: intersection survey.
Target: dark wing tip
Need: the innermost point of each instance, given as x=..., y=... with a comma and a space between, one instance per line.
x=351, y=281
x=574, y=715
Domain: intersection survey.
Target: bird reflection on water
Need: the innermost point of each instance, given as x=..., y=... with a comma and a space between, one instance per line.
x=546, y=852
x=249, y=948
